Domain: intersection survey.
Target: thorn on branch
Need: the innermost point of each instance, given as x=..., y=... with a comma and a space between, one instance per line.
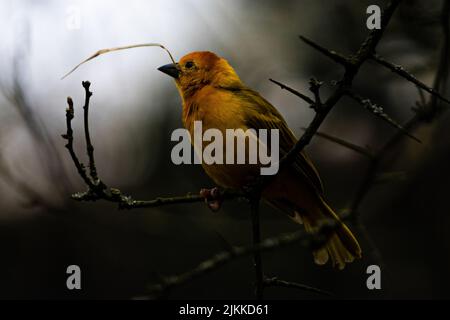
x=379, y=112
x=333, y=55
x=399, y=70
x=294, y=92
x=314, y=87
x=275, y=282
x=365, y=151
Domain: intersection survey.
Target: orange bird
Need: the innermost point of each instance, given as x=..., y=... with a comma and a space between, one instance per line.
x=213, y=93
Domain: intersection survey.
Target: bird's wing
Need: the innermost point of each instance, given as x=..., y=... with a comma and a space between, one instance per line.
x=260, y=114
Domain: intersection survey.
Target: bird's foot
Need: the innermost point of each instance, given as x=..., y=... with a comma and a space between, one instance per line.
x=213, y=198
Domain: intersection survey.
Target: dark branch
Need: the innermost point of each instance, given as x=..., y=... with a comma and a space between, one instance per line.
x=127, y=202
x=69, y=137
x=275, y=282
x=89, y=146
x=295, y=92
x=408, y=76
x=333, y=55
x=97, y=190
x=379, y=112
x=314, y=87
x=309, y=240
x=361, y=150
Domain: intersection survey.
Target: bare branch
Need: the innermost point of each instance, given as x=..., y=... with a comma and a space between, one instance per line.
x=69, y=137
x=314, y=87
x=275, y=282
x=379, y=112
x=333, y=55
x=89, y=146
x=310, y=240
x=97, y=190
x=295, y=92
x=127, y=202
x=361, y=150
x=408, y=76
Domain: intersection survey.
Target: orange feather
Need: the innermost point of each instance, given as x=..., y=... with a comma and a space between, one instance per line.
x=213, y=93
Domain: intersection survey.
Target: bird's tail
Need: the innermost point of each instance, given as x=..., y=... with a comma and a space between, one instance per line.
x=341, y=247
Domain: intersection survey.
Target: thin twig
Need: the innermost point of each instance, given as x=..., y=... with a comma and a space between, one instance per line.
x=89, y=146
x=275, y=282
x=127, y=202
x=69, y=137
x=333, y=55
x=309, y=240
x=408, y=76
x=379, y=112
x=293, y=91
x=361, y=150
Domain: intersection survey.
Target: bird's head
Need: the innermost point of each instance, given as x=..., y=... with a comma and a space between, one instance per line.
x=198, y=69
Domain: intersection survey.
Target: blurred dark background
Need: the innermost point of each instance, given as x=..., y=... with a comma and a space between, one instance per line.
x=404, y=221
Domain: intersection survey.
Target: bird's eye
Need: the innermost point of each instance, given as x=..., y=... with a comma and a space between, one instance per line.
x=189, y=64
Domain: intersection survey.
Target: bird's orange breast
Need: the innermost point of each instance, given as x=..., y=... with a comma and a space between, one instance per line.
x=219, y=109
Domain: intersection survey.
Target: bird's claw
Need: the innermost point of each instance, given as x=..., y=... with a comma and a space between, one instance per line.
x=213, y=198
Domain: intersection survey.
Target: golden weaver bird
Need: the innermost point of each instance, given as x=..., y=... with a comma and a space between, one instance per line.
x=213, y=93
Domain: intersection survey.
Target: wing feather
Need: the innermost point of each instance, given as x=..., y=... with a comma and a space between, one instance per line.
x=260, y=114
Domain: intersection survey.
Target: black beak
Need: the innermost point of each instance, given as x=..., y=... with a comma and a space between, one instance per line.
x=170, y=69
